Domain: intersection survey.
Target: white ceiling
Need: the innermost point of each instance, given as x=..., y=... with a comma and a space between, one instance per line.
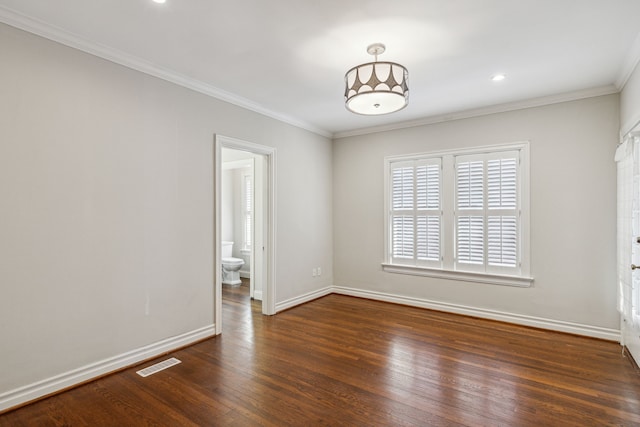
x=287, y=58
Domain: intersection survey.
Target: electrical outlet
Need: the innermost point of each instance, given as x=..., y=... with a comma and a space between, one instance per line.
x=319, y=271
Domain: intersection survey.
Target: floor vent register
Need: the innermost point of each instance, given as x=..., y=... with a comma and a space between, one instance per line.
x=158, y=367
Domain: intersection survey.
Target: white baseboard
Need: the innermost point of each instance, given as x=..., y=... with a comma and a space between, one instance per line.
x=303, y=298
x=257, y=295
x=245, y=274
x=65, y=380
x=519, y=319
x=54, y=384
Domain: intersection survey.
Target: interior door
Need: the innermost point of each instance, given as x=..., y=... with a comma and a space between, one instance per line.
x=628, y=161
x=631, y=321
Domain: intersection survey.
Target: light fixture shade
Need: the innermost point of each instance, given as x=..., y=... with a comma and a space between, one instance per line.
x=376, y=88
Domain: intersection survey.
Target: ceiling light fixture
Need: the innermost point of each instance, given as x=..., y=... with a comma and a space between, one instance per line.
x=498, y=77
x=159, y=1
x=376, y=87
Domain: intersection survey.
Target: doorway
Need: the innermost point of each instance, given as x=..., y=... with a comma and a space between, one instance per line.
x=262, y=244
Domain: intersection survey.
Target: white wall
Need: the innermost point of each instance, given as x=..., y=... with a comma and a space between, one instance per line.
x=227, y=220
x=238, y=213
x=630, y=102
x=306, y=197
x=238, y=231
x=106, y=207
x=573, y=221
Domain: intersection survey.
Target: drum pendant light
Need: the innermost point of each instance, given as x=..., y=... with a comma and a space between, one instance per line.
x=376, y=88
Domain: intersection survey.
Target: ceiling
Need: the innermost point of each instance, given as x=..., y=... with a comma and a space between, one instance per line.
x=287, y=58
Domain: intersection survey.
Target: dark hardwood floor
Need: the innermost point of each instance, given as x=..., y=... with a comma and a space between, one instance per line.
x=352, y=362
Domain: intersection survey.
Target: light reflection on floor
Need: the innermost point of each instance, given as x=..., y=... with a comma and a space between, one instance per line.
x=447, y=375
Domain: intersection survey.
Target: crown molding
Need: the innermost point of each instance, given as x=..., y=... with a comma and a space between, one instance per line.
x=631, y=62
x=67, y=38
x=42, y=29
x=483, y=111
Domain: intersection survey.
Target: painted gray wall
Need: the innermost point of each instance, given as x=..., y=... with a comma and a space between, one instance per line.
x=106, y=201
x=573, y=217
x=106, y=180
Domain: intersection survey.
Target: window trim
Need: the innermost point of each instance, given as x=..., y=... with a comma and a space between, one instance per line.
x=447, y=244
x=465, y=276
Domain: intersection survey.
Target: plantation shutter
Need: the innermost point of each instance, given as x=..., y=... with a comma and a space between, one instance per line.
x=502, y=229
x=487, y=212
x=470, y=211
x=416, y=215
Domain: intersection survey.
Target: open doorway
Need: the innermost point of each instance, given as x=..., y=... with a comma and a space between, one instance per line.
x=251, y=169
x=239, y=215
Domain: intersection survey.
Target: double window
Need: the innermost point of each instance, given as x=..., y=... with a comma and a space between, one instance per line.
x=461, y=214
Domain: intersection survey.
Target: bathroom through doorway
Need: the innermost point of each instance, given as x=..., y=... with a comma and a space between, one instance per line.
x=244, y=221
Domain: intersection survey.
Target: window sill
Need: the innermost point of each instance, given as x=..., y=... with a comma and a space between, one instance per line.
x=493, y=279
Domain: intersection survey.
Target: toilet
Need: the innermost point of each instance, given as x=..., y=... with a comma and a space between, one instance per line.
x=230, y=265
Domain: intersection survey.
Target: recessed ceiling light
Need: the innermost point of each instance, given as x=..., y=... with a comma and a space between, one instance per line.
x=498, y=77
x=159, y=1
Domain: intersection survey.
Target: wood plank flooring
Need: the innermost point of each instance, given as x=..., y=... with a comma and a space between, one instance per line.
x=351, y=362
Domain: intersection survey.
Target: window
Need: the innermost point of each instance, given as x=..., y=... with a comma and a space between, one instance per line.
x=247, y=210
x=461, y=214
x=415, y=212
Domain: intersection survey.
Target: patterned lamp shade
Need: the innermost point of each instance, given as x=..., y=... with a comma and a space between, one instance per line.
x=376, y=88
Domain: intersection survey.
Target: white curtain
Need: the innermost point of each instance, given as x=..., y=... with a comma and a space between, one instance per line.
x=628, y=219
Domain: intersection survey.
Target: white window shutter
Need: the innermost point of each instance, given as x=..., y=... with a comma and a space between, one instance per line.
x=470, y=233
x=403, y=237
x=428, y=238
x=460, y=214
x=502, y=183
x=428, y=186
x=503, y=240
x=470, y=184
x=487, y=216
x=502, y=227
x=428, y=216
x=470, y=190
x=402, y=191
x=415, y=215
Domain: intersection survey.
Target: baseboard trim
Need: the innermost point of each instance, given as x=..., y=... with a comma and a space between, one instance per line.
x=292, y=302
x=37, y=390
x=518, y=319
x=257, y=295
x=23, y=395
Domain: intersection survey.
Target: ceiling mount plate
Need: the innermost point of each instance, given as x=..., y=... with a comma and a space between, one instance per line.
x=376, y=49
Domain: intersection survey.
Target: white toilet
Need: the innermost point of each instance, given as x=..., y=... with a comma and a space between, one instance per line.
x=230, y=265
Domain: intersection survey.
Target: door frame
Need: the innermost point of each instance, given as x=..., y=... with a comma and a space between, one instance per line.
x=269, y=223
